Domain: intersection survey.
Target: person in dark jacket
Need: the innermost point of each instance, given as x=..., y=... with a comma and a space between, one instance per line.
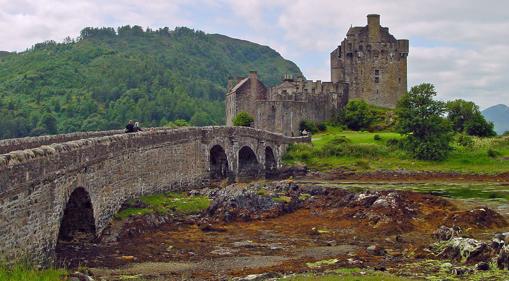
x=130, y=127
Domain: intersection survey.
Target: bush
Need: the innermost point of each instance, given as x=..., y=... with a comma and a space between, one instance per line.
x=358, y=115
x=478, y=126
x=494, y=153
x=377, y=137
x=311, y=126
x=243, y=119
x=393, y=143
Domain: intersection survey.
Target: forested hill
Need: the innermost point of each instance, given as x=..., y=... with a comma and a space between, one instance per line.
x=108, y=76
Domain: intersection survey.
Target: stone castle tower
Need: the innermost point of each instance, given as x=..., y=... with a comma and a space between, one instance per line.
x=373, y=63
x=370, y=64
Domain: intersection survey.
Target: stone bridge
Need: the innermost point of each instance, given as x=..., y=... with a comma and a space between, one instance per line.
x=61, y=184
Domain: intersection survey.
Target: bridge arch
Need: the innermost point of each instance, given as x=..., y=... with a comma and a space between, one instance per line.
x=219, y=166
x=249, y=166
x=78, y=218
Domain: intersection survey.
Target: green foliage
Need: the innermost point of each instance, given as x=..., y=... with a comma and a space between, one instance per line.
x=344, y=274
x=243, y=119
x=377, y=137
x=478, y=126
x=312, y=126
x=25, y=272
x=466, y=117
x=107, y=77
x=420, y=118
x=465, y=140
x=493, y=153
x=164, y=203
x=358, y=115
x=333, y=149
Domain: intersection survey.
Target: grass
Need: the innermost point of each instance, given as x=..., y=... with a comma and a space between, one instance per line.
x=22, y=272
x=362, y=151
x=165, y=203
x=347, y=274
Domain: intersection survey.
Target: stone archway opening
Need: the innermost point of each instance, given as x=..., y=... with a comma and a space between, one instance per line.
x=77, y=226
x=270, y=163
x=219, y=168
x=249, y=167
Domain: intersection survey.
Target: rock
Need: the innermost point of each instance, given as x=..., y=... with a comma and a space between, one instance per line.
x=499, y=240
x=444, y=233
x=79, y=276
x=376, y=250
x=460, y=271
x=483, y=266
x=245, y=244
x=503, y=257
x=259, y=277
x=222, y=252
x=127, y=258
x=254, y=201
x=466, y=249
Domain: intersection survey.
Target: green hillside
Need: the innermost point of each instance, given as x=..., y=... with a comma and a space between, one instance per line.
x=108, y=76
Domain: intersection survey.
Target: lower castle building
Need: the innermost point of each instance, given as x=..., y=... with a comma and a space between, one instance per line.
x=370, y=64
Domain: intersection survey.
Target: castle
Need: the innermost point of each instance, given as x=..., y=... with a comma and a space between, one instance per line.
x=370, y=65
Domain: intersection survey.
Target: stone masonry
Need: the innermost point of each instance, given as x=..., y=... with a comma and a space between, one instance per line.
x=36, y=183
x=370, y=64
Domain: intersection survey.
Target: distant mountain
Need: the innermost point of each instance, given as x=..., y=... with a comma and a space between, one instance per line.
x=499, y=115
x=108, y=76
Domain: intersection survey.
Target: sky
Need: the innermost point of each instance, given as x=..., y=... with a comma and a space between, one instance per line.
x=461, y=46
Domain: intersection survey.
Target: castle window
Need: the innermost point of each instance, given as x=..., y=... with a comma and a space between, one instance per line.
x=377, y=72
x=377, y=79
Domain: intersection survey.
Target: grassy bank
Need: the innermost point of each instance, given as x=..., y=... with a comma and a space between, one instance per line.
x=21, y=272
x=164, y=203
x=365, y=151
x=347, y=274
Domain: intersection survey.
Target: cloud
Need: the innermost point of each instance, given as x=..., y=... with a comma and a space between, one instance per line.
x=460, y=45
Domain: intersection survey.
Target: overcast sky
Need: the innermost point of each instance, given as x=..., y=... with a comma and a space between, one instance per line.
x=461, y=46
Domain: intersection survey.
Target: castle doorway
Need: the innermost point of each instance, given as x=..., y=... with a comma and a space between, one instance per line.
x=218, y=163
x=248, y=164
x=270, y=163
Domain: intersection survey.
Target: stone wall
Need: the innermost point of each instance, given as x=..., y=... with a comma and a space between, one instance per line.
x=8, y=145
x=35, y=184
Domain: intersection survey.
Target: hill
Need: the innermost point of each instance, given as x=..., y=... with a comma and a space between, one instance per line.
x=107, y=76
x=499, y=115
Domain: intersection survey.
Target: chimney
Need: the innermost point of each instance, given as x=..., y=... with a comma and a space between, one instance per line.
x=374, y=27
x=253, y=75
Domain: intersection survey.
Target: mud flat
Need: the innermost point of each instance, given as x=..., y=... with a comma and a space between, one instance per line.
x=269, y=230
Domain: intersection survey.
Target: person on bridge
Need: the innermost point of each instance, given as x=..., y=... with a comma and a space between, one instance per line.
x=130, y=127
x=137, y=127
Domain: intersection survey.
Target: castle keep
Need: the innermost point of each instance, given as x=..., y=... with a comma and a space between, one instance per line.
x=370, y=65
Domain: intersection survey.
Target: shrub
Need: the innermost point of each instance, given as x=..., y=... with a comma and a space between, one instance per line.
x=465, y=141
x=377, y=137
x=312, y=127
x=493, y=153
x=243, y=119
x=358, y=115
x=392, y=142
x=478, y=126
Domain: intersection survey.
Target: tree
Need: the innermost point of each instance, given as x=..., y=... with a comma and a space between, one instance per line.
x=420, y=118
x=243, y=119
x=358, y=115
x=478, y=126
x=466, y=117
x=49, y=123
